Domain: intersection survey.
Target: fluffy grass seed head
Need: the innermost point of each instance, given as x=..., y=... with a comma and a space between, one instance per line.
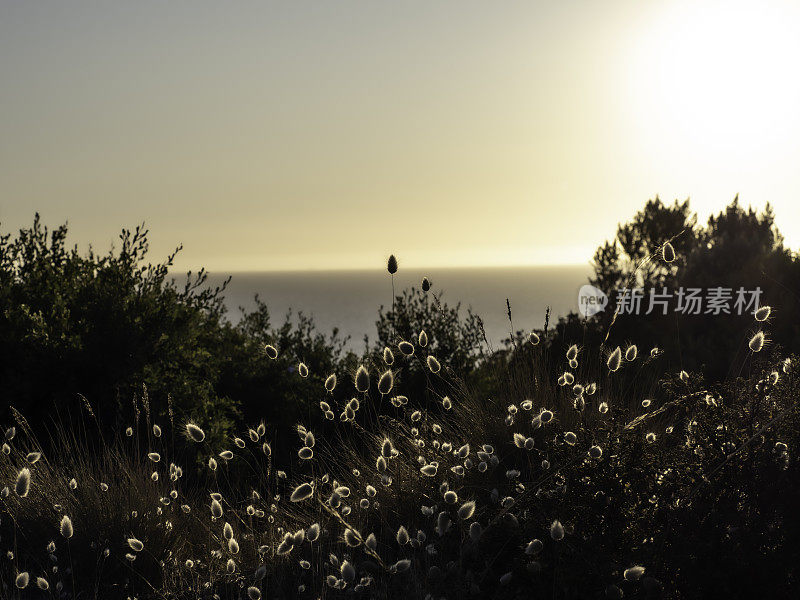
x=429, y=470
x=386, y=382
x=762, y=314
x=312, y=534
x=66, y=527
x=406, y=348
x=387, y=448
x=615, y=359
x=361, y=379
x=668, y=253
x=634, y=573
x=534, y=547
x=402, y=536
x=253, y=593
x=391, y=264
x=304, y=491
x=400, y=566
x=348, y=571
x=756, y=342
x=557, y=531
x=388, y=356
x=194, y=433
x=351, y=537
x=443, y=523
x=22, y=580
x=466, y=510
x=23, y=483
x=286, y=545
x=330, y=382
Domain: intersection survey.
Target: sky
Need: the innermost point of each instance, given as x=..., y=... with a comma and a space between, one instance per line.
x=326, y=135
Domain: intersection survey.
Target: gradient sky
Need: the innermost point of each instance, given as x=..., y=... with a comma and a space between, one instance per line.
x=329, y=134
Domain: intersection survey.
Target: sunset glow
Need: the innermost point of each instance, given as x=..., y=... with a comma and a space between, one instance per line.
x=320, y=136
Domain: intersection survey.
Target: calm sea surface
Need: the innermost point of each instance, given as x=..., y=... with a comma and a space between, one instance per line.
x=349, y=300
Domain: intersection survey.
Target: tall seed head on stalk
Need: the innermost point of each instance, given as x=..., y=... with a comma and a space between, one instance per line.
x=362, y=379
x=23, y=484
x=194, y=432
x=386, y=382
x=614, y=359
x=756, y=342
x=668, y=253
x=66, y=527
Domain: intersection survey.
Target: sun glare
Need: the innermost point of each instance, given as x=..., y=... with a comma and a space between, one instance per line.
x=719, y=77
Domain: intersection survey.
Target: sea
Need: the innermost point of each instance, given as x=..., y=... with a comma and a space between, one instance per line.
x=349, y=300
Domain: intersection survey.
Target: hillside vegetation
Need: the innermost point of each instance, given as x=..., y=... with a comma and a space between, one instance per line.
x=153, y=449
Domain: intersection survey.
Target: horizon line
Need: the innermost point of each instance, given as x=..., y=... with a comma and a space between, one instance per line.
x=383, y=268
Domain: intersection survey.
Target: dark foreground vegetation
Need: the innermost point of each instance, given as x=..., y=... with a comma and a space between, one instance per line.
x=155, y=449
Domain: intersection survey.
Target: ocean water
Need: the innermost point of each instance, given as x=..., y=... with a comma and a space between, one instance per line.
x=350, y=300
